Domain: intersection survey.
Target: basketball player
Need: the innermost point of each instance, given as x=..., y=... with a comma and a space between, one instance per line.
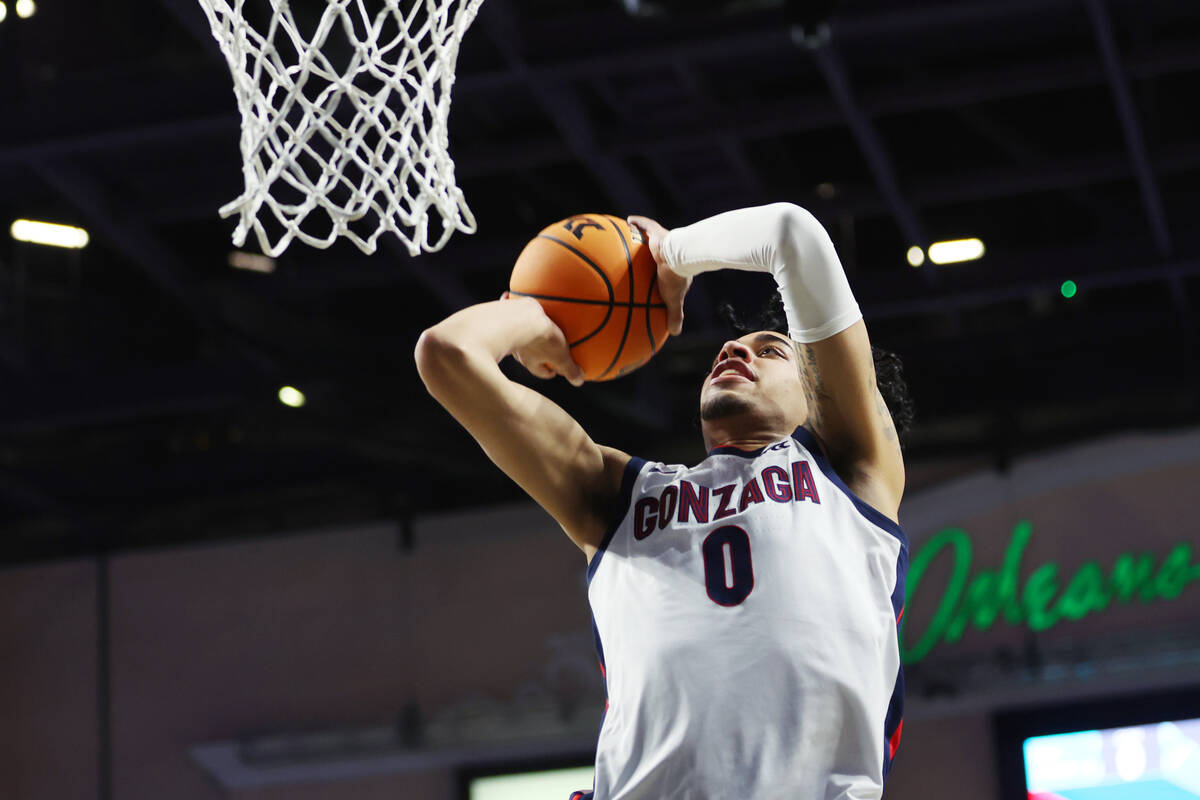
x=746, y=608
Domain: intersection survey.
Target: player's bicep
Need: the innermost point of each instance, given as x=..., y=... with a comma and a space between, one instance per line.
x=850, y=416
x=528, y=436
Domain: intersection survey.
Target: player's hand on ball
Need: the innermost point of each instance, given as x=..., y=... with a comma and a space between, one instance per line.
x=672, y=286
x=547, y=353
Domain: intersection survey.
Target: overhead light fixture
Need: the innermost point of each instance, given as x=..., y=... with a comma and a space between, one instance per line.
x=25, y=8
x=3, y=11
x=291, y=396
x=955, y=251
x=49, y=233
x=251, y=261
x=916, y=256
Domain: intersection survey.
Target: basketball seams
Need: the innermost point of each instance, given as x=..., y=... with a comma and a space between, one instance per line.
x=648, y=305
x=629, y=315
x=603, y=276
x=587, y=260
x=585, y=301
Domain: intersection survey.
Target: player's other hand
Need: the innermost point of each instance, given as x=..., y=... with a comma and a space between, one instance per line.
x=672, y=286
x=545, y=352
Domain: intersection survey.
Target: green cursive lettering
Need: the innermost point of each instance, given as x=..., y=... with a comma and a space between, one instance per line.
x=1040, y=587
x=960, y=542
x=981, y=600
x=1084, y=594
x=1176, y=572
x=1130, y=574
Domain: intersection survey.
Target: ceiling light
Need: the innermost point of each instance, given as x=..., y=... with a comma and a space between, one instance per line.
x=916, y=256
x=291, y=396
x=954, y=251
x=251, y=261
x=3, y=11
x=25, y=8
x=48, y=233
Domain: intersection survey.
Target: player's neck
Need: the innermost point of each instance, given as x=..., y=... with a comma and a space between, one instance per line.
x=716, y=436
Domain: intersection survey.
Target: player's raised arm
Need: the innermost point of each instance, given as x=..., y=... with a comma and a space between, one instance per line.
x=845, y=408
x=533, y=440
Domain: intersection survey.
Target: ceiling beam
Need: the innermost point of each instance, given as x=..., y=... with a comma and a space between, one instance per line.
x=1023, y=151
x=1130, y=125
x=48, y=403
x=12, y=355
x=763, y=43
x=761, y=120
x=1048, y=175
x=869, y=142
x=219, y=308
x=559, y=101
x=754, y=121
x=131, y=138
x=732, y=146
x=190, y=17
x=435, y=275
x=1001, y=291
x=25, y=494
x=128, y=236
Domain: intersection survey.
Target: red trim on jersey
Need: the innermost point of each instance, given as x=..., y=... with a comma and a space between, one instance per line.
x=900, y=616
x=894, y=742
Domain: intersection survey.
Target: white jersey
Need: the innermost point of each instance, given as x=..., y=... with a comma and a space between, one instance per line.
x=746, y=614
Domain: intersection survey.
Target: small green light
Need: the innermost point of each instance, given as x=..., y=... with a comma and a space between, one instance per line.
x=1068, y=289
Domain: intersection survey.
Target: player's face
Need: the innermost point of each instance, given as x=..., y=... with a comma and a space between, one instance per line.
x=756, y=378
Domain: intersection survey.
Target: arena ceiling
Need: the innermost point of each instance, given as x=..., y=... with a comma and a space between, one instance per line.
x=140, y=374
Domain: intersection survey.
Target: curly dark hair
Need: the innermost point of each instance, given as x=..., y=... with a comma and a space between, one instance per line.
x=889, y=371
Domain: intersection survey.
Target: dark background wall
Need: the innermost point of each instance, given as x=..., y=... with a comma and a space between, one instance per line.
x=482, y=627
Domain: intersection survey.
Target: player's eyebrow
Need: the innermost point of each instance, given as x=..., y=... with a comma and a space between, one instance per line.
x=772, y=338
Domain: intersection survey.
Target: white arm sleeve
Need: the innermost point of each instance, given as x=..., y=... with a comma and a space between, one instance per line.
x=784, y=240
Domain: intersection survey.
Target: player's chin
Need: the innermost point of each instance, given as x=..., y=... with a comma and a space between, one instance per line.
x=719, y=402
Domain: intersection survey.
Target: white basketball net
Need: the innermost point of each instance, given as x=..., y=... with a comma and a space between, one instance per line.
x=351, y=120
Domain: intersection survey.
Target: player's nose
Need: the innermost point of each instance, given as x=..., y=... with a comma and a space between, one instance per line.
x=735, y=349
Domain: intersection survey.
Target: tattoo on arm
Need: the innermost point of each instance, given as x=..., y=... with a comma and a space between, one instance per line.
x=817, y=397
x=889, y=427
x=814, y=392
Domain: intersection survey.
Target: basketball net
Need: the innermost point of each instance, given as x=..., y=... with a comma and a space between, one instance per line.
x=349, y=121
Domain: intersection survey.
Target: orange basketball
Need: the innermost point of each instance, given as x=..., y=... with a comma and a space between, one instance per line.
x=597, y=281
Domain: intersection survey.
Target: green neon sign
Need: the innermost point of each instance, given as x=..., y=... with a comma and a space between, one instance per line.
x=979, y=601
